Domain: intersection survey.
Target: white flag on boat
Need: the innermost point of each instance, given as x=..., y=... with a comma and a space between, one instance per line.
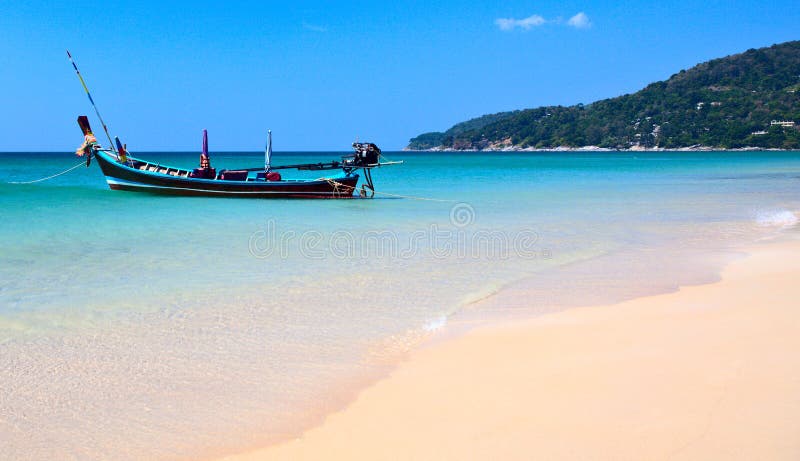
x=268, y=152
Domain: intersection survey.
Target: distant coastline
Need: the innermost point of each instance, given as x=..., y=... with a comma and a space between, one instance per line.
x=604, y=149
x=746, y=101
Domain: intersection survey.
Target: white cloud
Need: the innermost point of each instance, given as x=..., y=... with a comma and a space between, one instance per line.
x=526, y=24
x=580, y=21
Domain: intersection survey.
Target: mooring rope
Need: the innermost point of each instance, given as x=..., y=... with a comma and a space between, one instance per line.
x=410, y=197
x=83, y=162
x=336, y=191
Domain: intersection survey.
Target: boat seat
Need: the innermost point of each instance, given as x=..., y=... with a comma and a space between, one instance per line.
x=233, y=175
x=203, y=173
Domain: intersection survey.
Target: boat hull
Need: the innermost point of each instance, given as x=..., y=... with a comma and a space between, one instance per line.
x=124, y=177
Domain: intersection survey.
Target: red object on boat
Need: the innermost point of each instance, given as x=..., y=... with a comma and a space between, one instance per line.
x=273, y=176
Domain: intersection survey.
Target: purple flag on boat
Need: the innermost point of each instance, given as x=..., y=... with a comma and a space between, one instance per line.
x=205, y=143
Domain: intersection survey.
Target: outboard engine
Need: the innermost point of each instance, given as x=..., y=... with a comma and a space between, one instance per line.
x=366, y=153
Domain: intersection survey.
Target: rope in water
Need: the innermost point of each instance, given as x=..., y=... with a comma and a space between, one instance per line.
x=412, y=197
x=83, y=162
x=336, y=185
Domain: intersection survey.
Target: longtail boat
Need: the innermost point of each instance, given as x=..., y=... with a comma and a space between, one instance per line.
x=125, y=172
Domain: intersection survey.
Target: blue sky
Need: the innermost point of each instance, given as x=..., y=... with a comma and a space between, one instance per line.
x=320, y=74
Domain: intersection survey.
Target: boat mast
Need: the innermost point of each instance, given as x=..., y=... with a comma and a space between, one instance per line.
x=268, y=152
x=85, y=88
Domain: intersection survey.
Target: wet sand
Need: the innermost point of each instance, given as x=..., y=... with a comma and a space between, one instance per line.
x=708, y=372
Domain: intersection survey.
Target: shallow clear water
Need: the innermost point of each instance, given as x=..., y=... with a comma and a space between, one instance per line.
x=163, y=326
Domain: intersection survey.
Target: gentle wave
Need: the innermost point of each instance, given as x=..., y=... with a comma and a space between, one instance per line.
x=777, y=218
x=436, y=324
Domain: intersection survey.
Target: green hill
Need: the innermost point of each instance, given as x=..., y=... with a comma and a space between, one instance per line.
x=729, y=102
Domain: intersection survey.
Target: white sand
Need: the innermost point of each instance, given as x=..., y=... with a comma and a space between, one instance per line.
x=709, y=372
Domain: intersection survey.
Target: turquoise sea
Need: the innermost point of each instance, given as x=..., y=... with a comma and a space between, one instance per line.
x=136, y=326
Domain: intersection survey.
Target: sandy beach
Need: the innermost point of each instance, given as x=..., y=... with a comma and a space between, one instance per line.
x=708, y=372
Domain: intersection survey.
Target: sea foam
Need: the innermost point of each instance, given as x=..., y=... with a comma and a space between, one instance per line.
x=436, y=324
x=776, y=218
